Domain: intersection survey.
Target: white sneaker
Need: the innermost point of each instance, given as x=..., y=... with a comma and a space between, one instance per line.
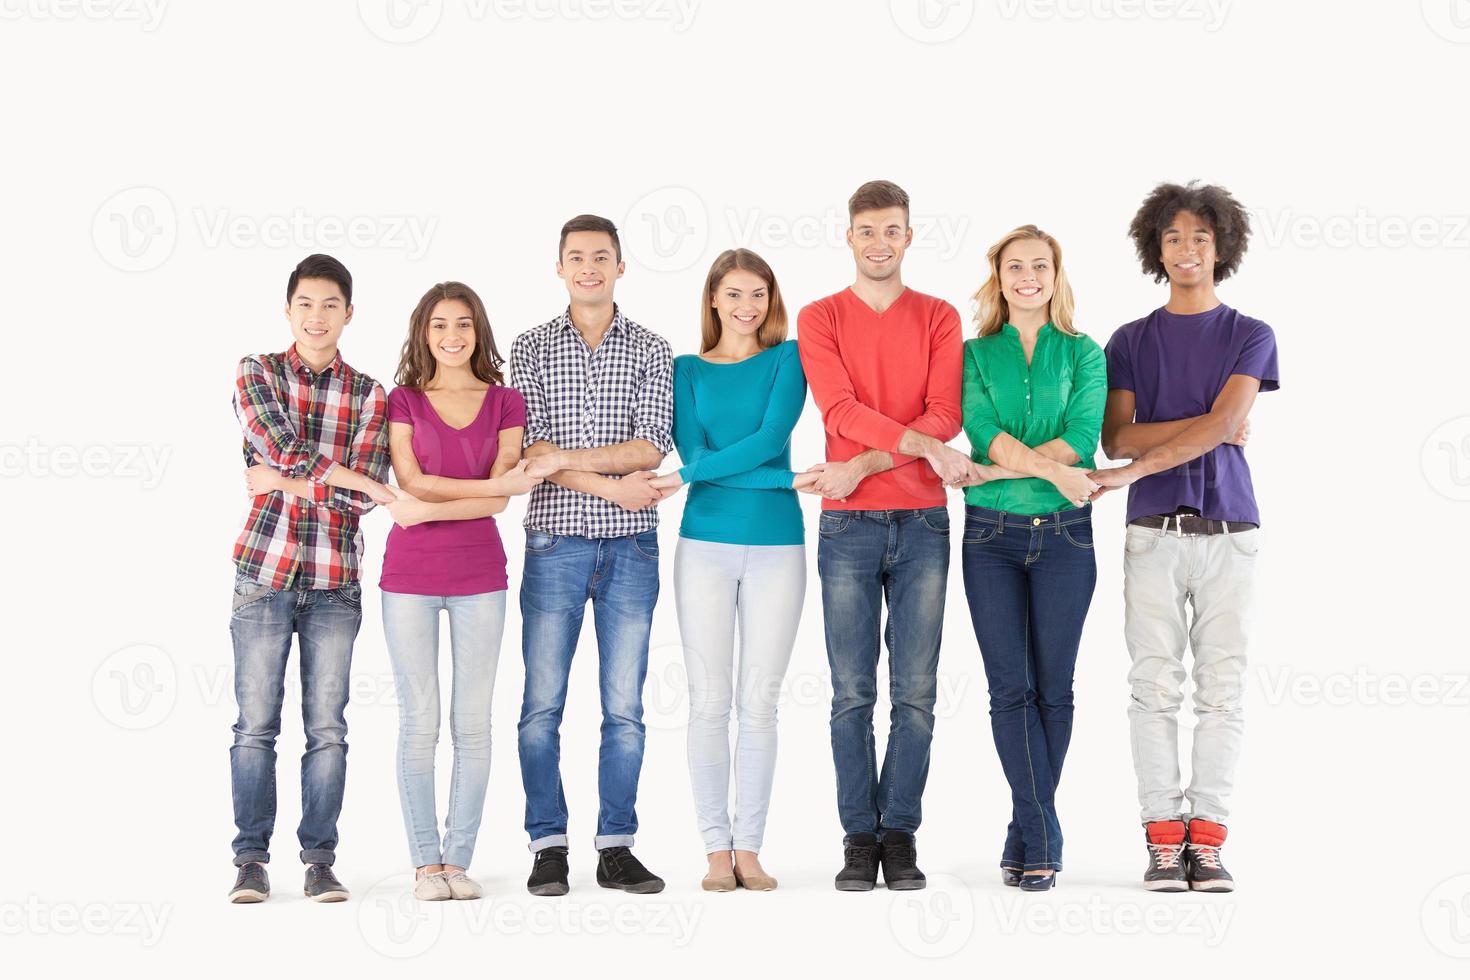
x=462, y=886
x=431, y=888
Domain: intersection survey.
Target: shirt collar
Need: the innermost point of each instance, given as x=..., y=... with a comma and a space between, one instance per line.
x=301, y=367
x=619, y=322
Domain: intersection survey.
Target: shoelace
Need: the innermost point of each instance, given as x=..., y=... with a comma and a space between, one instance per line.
x=1207, y=856
x=902, y=852
x=860, y=852
x=1166, y=856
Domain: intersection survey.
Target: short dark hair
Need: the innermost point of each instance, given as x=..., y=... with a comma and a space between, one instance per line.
x=589, y=222
x=1227, y=219
x=321, y=266
x=876, y=195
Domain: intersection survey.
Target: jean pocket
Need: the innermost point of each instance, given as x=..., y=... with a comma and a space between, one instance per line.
x=1140, y=540
x=833, y=522
x=936, y=519
x=646, y=544
x=1078, y=534
x=541, y=543
x=978, y=531
x=1246, y=543
x=248, y=591
x=349, y=595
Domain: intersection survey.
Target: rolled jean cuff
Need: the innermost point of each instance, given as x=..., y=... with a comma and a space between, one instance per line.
x=717, y=848
x=753, y=846
x=1043, y=866
x=318, y=855
x=542, y=843
x=247, y=857
x=613, y=840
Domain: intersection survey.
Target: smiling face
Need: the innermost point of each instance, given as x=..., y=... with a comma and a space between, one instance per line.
x=589, y=265
x=878, y=240
x=451, y=333
x=741, y=302
x=317, y=312
x=1187, y=249
x=1027, y=275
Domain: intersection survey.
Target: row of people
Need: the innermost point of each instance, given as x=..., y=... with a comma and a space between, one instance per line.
x=594, y=405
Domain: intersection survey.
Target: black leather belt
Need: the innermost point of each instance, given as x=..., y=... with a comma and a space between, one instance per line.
x=1191, y=524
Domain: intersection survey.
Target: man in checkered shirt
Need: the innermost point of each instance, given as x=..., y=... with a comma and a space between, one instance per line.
x=599, y=416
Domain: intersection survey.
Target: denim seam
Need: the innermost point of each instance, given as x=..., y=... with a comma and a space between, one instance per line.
x=1026, y=735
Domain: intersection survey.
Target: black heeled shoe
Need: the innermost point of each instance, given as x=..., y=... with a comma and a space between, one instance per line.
x=1010, y=877
x=1038, y=883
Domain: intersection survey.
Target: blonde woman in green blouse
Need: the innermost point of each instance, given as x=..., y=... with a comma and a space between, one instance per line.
x=1033, y=395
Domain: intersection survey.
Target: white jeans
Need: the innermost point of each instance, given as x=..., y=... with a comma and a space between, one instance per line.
x=715, y=586
x=1164, y=573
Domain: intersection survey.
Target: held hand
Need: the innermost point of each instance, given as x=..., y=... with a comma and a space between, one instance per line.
x=260, y=478
x=1110, y=479
x=543, y=466
x=382, y=493
x=1242, y=434
x=636, y=491
x=1074, y=484
x=667, y=485
x=805, y=482
x=836, y=481
x=952, y=466
x=408, y=510
x=518, y=480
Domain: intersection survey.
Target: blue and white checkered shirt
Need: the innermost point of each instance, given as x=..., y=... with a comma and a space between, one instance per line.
x=580, y=398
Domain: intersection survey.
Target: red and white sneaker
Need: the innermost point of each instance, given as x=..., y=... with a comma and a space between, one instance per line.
x=1166, y=840
x=1202, y=859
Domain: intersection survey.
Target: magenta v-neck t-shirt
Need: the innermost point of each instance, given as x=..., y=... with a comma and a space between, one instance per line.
x=450, y=557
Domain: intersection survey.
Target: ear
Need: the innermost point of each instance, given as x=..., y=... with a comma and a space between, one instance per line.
x=621, y=267
x=348, y=318
x=849, y=236
x=908, y=236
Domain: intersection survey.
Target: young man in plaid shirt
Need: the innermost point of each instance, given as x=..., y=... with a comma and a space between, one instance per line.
x=316, y=448
x=599, y=417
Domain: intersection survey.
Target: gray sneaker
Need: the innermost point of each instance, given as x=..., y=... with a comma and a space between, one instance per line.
x=322, y=885
x=432, y=888
x=251, y=884
x=462, y=886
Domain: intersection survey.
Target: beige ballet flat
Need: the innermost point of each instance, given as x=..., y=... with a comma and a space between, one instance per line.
x=756, y=883
x=718, y=883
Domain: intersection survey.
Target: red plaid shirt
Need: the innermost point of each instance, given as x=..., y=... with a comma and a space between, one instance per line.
x=303, y=423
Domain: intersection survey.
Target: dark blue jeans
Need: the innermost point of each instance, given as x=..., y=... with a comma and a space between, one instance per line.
x=1029, y=581
x=864, y=558
x=262, y=621
x=620, y=577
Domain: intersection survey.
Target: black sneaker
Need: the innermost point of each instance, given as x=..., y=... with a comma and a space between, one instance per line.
x=859, y=863
x=322, y=885
x=251, y=884
x=900, y=872
x=1202, y=858
x=618, y=868
x=549, y=872
x=1166, y=839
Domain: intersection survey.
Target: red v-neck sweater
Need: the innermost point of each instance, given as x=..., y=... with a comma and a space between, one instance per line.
x=873, y=376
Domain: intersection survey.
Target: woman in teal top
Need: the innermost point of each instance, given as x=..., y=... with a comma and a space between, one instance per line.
x=1032, y=396
x=741, y=557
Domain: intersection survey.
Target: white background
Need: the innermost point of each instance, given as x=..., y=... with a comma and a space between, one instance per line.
x=165, y=168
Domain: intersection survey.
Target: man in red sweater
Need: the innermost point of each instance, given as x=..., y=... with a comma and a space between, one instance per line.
x=883, y=363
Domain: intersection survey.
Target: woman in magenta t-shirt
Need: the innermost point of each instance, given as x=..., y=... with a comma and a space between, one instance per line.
x=455, y=437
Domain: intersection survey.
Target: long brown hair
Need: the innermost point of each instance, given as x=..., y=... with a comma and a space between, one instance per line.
x=416, y=363
x=772, y=330
x=991, y=308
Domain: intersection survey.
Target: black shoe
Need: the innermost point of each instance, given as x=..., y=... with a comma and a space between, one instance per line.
x=618, y=868
x=322, y=885
x=549, y=872
x=900, y=873
x=1202, y=858
x=1010, y=877
x=251, y=884
x=1038, y=883
x=859, y=863
x=1165, y=840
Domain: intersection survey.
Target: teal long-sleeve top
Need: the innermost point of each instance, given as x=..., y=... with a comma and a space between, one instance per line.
x=1061, y=394
x=732, y=427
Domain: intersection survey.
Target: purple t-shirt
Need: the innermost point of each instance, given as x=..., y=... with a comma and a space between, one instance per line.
x=1176, y=365
x=450, y=557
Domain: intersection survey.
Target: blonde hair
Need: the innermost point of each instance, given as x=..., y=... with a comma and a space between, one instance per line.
x=772, y=330
x=991, y=308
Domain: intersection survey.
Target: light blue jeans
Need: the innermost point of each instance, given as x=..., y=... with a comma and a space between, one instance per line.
x=717, y=587
x=411, y=628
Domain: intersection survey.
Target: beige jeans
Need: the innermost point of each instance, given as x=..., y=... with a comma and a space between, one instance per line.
x=1191, y=590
